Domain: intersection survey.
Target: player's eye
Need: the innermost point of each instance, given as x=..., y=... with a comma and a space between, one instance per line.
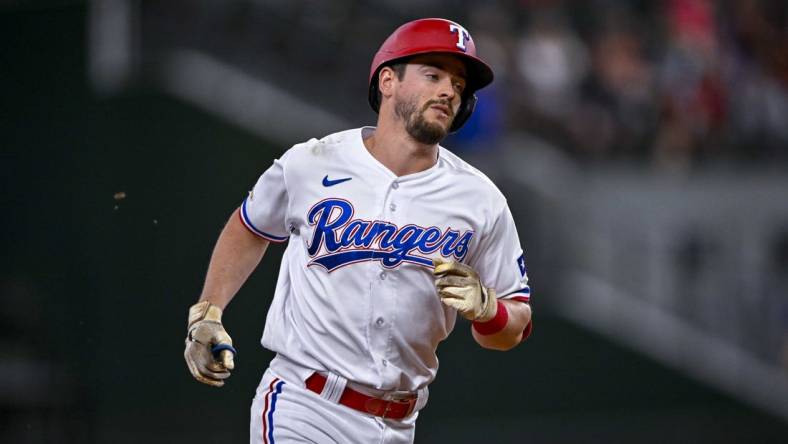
x=431, y=76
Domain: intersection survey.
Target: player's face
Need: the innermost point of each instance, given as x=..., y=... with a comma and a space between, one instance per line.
x=429, y=96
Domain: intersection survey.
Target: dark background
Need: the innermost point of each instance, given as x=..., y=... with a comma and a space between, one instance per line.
x=95, y=288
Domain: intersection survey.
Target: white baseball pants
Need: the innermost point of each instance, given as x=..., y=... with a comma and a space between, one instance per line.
x=286, y=412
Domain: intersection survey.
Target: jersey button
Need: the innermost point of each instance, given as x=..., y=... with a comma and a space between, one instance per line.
x=385, y=363
x=382, y=275
x=393, y=207
x=395, y=185
x=379, y=322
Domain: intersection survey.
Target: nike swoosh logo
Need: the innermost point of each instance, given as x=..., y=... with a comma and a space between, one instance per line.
x=330, y=183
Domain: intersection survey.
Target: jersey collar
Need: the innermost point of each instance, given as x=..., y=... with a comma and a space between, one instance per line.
x=363, y=153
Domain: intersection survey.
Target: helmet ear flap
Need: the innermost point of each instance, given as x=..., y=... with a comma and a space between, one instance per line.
x=464, y=112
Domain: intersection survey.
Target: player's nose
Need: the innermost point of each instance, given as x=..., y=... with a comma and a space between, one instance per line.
x=446, y=88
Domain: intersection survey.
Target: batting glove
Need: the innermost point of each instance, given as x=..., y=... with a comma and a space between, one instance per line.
x=209, y=349
x=459, y=287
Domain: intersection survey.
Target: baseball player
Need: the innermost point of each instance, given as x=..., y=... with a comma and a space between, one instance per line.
x=389, y=236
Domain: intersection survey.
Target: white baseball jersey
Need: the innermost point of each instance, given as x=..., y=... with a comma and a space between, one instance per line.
x=356, y=294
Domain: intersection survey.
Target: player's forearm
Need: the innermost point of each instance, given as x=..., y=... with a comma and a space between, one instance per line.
x=236, y=254
x=519, y=315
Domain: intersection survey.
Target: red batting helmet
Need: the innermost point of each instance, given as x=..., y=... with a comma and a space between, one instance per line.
x=427, y=36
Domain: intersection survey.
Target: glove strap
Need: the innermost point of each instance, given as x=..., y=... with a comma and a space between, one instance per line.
x=495, y=324
x=204, y=311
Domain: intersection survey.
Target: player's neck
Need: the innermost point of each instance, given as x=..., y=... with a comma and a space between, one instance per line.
x=398, y=152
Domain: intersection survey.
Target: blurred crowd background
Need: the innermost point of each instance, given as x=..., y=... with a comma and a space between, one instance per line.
x=674, y=84
x=643, y=147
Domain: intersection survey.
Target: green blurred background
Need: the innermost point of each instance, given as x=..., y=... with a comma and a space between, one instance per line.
x=95, y=287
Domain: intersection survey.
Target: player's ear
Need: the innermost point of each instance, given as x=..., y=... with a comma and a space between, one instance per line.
x=386, y=80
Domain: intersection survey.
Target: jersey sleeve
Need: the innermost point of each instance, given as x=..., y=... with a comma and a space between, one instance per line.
x=500, y=261
x=264, y=211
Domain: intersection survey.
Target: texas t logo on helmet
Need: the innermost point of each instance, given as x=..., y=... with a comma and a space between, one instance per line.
x=462, y=35
x=430, y=36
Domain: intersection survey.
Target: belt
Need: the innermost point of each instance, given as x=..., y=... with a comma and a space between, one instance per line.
x=384, y=408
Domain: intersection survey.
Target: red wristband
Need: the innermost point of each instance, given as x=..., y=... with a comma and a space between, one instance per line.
x=495, y=324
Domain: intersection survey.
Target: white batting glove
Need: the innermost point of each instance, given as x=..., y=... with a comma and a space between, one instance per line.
x=209, y=349
x=459, y=287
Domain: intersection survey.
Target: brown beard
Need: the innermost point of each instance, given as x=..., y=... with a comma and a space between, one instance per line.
x=417, y=126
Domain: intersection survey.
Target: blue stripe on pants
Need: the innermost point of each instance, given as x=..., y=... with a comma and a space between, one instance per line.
x=271, y=412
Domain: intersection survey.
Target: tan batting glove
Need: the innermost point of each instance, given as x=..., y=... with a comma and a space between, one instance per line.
x=209, y=349
x=459, y=287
